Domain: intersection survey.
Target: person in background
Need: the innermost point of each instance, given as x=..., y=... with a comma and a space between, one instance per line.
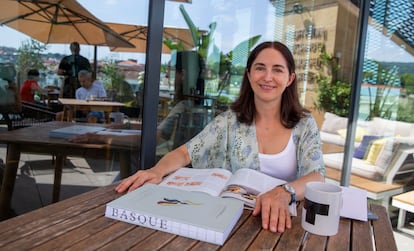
x=10, y=96
x=69, y=67
x=9, y=91
x=31, y=87
x=88, y=91
x=266, y=129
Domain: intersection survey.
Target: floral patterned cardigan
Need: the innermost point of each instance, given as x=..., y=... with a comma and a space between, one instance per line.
x=228, y=144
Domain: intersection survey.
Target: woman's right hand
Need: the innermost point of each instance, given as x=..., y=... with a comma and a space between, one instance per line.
x=171, y=162
x=138, y=179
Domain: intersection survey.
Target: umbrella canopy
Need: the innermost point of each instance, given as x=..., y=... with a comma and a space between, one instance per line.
x=137, y=35
x=58, y=21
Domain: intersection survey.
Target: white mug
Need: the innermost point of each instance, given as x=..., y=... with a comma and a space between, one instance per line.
x=321, y=210
x=118, y=117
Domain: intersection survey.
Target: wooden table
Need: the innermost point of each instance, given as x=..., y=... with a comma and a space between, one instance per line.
x=36, y=139
x=72, y=105
x=78, y=223
x=405, y=203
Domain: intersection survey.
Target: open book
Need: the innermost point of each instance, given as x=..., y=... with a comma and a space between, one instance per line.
x=245, y=184
x=74, y=130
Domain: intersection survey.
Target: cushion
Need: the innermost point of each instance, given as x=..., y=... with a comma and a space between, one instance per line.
x=391, y=146
x=332, y=123
x=361, y=150
x=332, y=138
x=359, y=133
x=386, y=153
x=385, y=127
x=359, y=167
x=374, y=150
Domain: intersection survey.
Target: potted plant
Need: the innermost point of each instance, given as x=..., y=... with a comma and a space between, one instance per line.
x=195, y=61
x=333, y=95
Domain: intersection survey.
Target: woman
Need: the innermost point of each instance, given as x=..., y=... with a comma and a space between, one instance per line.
x=266, y=129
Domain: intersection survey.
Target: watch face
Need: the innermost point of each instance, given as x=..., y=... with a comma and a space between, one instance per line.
x=289, y=188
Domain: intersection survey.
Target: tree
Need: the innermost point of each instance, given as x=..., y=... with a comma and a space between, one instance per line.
x=333, y=94
x=118, y=88
x=406, y=101
x=381, y=82
x=30, y=57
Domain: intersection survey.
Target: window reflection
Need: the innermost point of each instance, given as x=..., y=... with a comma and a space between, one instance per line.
x=323, y=38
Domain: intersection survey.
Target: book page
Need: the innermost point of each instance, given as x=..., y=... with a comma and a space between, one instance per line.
x=211, y=180
x=246, y=184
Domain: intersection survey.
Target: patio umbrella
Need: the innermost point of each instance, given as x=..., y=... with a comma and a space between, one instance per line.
x=58, y=21
x=137, y=35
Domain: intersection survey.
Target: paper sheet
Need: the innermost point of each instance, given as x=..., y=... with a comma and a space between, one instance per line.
x=354, y=203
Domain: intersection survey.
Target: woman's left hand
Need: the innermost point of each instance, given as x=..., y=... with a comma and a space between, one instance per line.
x=274, y=207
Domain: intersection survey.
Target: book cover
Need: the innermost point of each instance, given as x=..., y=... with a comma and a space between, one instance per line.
x=71, y=131
x=190, y=214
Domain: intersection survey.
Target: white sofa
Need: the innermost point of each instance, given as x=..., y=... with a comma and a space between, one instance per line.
x=383, y=167
x=382, y=158
x=333, y=129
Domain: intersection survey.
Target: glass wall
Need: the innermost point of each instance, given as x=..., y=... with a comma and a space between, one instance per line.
x=204, y=76
x=193, y=65
x=387, y=86
x=119, y=71
x=387, y=89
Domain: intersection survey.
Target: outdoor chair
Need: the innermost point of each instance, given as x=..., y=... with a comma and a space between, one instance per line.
x=30, y=114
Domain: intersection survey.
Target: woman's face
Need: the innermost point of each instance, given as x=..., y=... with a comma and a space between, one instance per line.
x=269, y=75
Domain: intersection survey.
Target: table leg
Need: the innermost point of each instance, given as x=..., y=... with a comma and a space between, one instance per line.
x=9, y=178
x=401, y=219
x=60, y=159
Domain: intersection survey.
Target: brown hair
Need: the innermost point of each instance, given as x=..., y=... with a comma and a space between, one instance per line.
x=291, y=110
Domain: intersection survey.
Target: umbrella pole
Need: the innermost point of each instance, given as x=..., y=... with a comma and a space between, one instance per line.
x=95, y=61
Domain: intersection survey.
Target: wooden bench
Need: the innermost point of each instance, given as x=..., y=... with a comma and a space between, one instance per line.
x=405, y=202
x=376, y=190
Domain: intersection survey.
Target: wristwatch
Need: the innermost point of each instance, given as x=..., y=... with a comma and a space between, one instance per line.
x=288, y=188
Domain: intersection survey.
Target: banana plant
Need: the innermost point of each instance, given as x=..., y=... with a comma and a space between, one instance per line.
x=202, y=40
x=240, y=51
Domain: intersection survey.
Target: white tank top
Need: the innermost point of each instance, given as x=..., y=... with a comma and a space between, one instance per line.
x=282, y=165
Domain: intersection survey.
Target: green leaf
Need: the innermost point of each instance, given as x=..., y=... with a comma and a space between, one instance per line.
x=248, y=43
x=193, y=29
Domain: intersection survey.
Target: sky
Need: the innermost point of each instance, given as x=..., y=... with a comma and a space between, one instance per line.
x=237, y=20
x=232, y=19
